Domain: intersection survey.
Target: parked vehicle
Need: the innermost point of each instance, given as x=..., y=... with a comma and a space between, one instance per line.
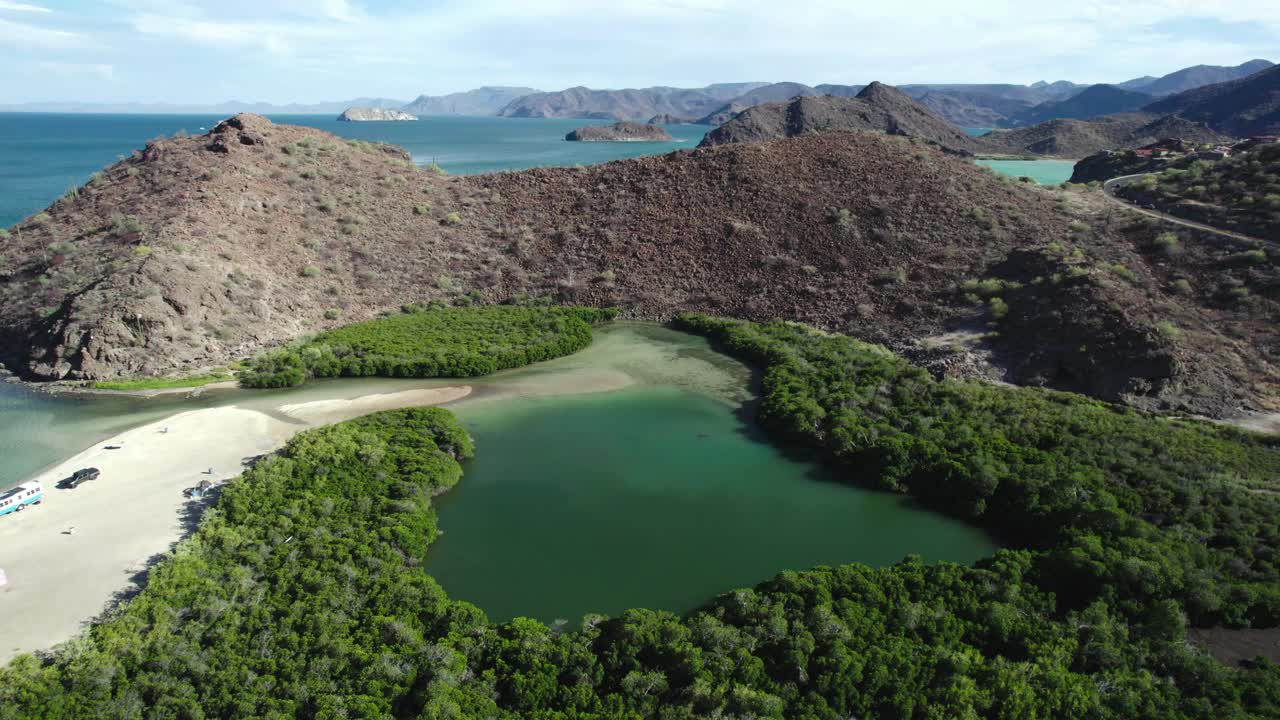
x=17, y=499
x=79, y=477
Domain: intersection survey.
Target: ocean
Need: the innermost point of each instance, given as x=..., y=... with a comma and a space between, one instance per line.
x=42, y=155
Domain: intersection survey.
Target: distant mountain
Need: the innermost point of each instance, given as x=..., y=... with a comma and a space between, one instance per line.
x=231, y=107
x=987, y=105
x=1093, y=101
x=776, y=92
x=877, y=107
x=486, y=100
x=1194, y=77
x=1248, y=106
x=630, y=104
x=1073, y=138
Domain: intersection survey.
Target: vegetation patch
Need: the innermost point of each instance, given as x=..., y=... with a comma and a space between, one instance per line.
x=161, y=383
x=303, y=594
x=431, y=342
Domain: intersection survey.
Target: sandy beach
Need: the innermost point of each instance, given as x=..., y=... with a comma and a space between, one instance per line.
x=58, y=580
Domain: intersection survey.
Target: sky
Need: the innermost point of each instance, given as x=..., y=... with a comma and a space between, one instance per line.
x=182, y=51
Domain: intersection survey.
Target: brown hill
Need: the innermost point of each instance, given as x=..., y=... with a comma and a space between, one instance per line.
x=201, y=250
x=1080, y=138
x=877, y=107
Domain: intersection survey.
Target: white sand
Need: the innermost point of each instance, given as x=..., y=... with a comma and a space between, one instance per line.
x=57, y=582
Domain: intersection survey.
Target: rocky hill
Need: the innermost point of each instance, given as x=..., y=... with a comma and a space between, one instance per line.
x=1193, y=77
x=877, y=107
x=1080, y=138
x=620, y=132
x=1244, y=107
x=486, y=100
x=1092, y=102
x=200, y=250
x=368, y=114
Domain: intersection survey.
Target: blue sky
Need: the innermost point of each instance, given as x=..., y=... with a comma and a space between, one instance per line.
x=312, y=50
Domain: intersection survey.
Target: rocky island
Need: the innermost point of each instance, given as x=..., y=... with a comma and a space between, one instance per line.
x=368, y=114
x=620, y=132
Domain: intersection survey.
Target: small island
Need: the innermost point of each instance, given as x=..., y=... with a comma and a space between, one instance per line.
x=620, y=132
x=368, y=114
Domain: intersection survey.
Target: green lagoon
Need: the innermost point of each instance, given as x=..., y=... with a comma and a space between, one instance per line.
x=627, y=475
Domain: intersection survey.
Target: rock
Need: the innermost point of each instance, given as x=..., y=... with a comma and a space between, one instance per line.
x=367, y=114
x=620, y=132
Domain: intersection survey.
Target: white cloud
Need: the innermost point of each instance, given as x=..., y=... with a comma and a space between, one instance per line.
x=15, y=34
x=22, y=7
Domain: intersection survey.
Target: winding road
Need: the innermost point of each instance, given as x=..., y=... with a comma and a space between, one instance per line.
x=1109, y=187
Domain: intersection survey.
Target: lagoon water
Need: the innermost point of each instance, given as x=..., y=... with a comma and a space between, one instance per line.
x=1045, y=172
x=626, y=475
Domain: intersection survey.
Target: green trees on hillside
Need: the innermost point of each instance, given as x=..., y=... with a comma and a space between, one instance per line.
x=431, y=342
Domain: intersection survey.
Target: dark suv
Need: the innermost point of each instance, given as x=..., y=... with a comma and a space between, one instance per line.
x=79, y=476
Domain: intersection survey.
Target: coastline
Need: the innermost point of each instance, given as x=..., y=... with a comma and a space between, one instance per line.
x=59, y=581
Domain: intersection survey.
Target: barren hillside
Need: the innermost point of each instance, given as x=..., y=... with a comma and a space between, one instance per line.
x=201, y=250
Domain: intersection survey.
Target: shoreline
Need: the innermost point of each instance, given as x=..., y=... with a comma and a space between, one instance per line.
x=59, y=579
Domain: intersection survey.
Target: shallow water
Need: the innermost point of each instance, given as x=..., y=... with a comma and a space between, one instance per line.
x=621, y=476
x=1045, y=172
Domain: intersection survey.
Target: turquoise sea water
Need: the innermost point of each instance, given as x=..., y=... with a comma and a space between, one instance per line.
x=1045, y=172
x=44, y=154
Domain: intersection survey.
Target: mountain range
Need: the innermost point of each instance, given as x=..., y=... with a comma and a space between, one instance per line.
x=964, y=105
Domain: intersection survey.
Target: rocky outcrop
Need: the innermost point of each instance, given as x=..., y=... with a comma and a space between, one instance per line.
x=368, y=114
x=877, y=107
x=620, y=132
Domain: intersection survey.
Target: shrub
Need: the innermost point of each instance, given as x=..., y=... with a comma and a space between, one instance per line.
x=332, y=314
x=1166, y=242
x=1078, y=227
x=1121, y=270
x=310, y=271
x=1168, y=329
x=453, y=218
x=421, y=209
x=1181, y=286
x=1256, y=256
x=432, y=341
x=997, y=308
